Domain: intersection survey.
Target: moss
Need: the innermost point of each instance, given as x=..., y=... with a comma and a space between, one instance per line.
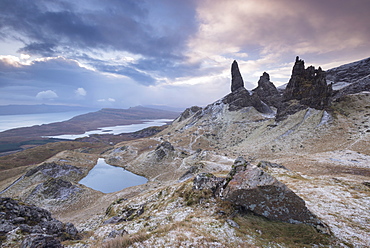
x=286, y=234
x=191, y=196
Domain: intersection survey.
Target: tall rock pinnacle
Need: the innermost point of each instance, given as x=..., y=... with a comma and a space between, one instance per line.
x=236, y=77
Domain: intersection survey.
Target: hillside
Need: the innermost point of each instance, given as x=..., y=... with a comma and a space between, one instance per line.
x=90, y=121
x=18, y=138
x=260, y=168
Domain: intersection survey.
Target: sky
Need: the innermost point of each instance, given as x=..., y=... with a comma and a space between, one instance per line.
x=178, y=53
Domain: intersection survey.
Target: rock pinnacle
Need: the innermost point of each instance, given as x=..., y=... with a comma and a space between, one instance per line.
x=236, y=77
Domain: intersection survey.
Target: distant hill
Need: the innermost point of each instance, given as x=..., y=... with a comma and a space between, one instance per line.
x=39, y=109
x=168, y=108
x=15, y=139
x=79, y=124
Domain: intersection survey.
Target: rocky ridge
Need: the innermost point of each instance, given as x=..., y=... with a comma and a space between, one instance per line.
x=318, y=163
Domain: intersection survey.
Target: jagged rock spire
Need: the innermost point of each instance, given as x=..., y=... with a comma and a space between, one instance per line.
x=267, y=91
x=308, y=86
x=236, y=78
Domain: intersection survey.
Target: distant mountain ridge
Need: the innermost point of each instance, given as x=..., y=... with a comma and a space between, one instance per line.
x=40, y=109
x=79, y=124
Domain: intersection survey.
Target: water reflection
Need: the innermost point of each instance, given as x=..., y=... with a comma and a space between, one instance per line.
x=107, y=178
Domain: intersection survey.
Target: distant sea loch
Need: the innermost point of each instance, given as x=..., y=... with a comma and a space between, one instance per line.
x=27, y=120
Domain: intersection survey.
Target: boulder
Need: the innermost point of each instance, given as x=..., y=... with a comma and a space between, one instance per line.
x=258, y=192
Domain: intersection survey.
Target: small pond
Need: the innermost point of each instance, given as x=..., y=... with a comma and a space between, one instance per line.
x=107, y=178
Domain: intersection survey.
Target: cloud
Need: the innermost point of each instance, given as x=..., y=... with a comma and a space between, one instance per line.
x=107, y=100
x=44, y=49
x=280, y=27
x=168, y=52
x=80, y=92
x=302, y=25
x=133, y=26
x=46, y=95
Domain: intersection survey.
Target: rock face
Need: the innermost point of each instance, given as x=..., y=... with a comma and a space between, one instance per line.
x=236, y=78
x=308, y=86
x=267, y=91
x=56, y=189
x=55, y=170
x=239, y=96
x=349, y=73
x=36, y=226
x=257, y=191
x=359, y=86
x=350, y=78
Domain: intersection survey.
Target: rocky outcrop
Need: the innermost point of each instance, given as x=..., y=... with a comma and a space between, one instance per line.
x=267, y=91
x=54, y=189
x=207, y=181
x=35, y=225
x=236, y=78
x=359, y=86
x=55, y=170
x=188, y=112
x=240, y=97
x=306, y=88
x=349, y=73
x=257, y=191
x=163, y=150
x=350, y=78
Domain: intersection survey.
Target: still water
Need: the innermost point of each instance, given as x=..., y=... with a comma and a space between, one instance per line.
x=107, y=178
x=115, y=129
x=14, y=121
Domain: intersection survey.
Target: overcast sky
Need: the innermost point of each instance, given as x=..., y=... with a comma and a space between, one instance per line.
x=122, y=53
